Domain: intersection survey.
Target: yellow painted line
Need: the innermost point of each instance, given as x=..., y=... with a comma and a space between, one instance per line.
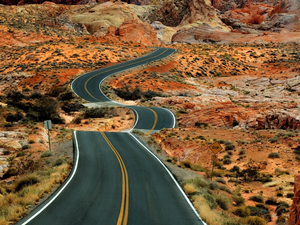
x=85, y=84
x=123, y=215
x=155, y=121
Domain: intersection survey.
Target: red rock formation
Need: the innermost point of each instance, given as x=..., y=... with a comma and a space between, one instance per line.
x=295, y=209
x=199, y=11
x=134, y=31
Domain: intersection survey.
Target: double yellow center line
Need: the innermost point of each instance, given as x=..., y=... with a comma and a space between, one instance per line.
x=87, y=91
x=85, y=84
x=123, y=216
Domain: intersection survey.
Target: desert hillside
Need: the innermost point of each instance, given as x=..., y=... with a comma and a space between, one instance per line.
x=234, y=78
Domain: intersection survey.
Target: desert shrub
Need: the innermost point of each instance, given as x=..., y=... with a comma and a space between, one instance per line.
x=222, y=201
x=72, y=107
x=66, y=96
x=210, y=200
x=274, y=139
x=261, y=212
x=77, y=120
x=257, y=198
x=279, y=172
x=254, y=220
x=213, y=185
x=197, y=167
x=201, y=124
x=11, y=171
x=197, y=181
x=25, y=147
x=21, y=153
x=221, y=180
x=290, y=195
x=36, y=94
x=273, y=155
x=98, y=112
x=224, y=188
x=25, y=181
x=129, y=94
x=226, y=161
x=242, y=151
x=59, y=162
x=271, y=201
x=15, y=96
x=47, y=154
x=14, y=117
x=235, y=168
x=239, y=200
x=185, y=164
x=6, y=152
x=45, y=108
x=281, y=220
x=241, y=211
x=229, y=146
x=55, y=91
x=297, y=150
x=227, y=156
x=281, y=208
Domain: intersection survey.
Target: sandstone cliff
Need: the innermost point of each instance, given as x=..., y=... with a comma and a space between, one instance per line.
x=295, y=209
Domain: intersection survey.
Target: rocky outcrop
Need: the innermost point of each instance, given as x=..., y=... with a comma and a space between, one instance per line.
x=135, y=31
x=295, y=208
x=277, y=119
x=99, y=18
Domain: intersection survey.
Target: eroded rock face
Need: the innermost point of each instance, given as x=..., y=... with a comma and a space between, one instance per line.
x=277, y=119
x=295, y=209
x=135, y=31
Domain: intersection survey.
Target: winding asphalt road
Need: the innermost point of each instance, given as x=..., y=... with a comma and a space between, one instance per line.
x=116, y=179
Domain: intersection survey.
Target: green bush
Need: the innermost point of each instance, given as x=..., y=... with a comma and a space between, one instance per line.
x=271, y=201
x=222, y=201
x=273, y=155
x=227, y=156
x=221, y=180
x=274, y=139
x=257, y=198
x=99, y=112
x=25, y=181
x=226, y=161
x=282, y=207
x=241, y=211
x=254, y=220
x=185, y=164
x=197, y=181
x=290, y=195
x=239, y=200
x=213, y=185
x=224, y=188
x=47, y=154
x=235, y=168
x=242, y=152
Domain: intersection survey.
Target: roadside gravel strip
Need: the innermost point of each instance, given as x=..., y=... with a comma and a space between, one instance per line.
x=116, y=179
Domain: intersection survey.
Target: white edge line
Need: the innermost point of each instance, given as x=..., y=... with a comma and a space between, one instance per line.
x=66, y=184
x=171, y=175
x=174, y=118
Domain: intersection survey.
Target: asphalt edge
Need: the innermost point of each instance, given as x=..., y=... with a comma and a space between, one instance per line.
x=58, y=191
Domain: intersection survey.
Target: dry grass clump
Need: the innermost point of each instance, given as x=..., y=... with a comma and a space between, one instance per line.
x=27, y=191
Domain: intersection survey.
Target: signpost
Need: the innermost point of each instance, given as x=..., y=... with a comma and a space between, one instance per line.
x=215, y=148
x=48, y=126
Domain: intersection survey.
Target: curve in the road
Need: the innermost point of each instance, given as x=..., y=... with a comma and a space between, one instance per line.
x=100, y=180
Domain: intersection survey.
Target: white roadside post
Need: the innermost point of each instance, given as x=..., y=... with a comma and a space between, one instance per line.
x=48, y=126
